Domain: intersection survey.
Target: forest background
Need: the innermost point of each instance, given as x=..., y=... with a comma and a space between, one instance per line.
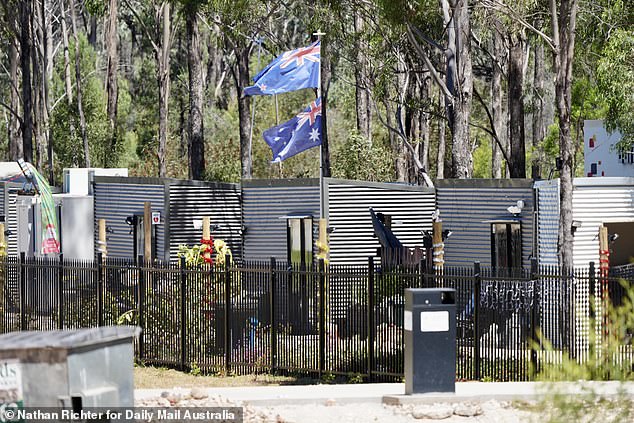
x=453, y=88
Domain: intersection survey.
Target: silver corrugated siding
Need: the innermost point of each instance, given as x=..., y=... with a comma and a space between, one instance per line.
x=191, y=200
x=116, y=199
x=596, y=201
x=12, y=223
x=547, y=221
x=264, y=202
x=465, y=203
x=348, y=204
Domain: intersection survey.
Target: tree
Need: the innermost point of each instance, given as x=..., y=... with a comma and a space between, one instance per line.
x=615, y=78
x=564, y=23
x=196, y=143
x=111, y=39
x=161, y=39
x=80, y=106
x=458, y=85
x=25, y=66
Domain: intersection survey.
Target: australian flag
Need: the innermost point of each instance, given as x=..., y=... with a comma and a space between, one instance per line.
x=291, y=71
x=296, y=135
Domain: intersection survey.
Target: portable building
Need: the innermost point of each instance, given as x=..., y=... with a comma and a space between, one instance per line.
x=607, y=201
x=282, y=215
x=178, y=207
x=491, y=221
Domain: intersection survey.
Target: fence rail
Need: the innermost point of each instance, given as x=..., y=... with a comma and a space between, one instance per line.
x=315, y=319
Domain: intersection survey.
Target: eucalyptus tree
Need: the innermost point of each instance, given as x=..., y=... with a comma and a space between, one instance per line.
x=160, y=34
x=457, y=86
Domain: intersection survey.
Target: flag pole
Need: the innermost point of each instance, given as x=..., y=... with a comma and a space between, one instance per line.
x=322, y=207
x=259, y=42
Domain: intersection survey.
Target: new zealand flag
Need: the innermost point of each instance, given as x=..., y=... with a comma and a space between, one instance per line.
x=296, y=135
x=291, y=71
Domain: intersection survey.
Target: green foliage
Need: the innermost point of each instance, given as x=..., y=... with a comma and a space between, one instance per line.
x=195, y=369
x=482, y=159
x=607, y=359
x=357, y=159
x=65, y=125
x=615, y=78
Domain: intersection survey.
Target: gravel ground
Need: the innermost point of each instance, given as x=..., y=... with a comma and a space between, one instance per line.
x=330, y=411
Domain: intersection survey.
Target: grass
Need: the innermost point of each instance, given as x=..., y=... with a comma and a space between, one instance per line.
x=157, y=378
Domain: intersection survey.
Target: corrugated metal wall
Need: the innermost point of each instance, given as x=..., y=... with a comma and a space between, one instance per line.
x=193, y=200
x=116, y=198
x=264, y=202
x=465, y=203
x=348, y=203
x=596, y=201
x=547, y=221
x=11, y=220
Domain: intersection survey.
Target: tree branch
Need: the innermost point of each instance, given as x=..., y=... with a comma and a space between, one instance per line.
x=432, y=69
x=10, y=110
x=491, y=131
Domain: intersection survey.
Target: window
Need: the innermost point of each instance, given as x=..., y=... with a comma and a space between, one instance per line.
x=300, y=239
x=506, y=245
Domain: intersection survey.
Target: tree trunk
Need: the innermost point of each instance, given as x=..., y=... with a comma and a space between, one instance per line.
x=37, y=84
x=460, y=81
x=25, y=65
x=15, y=134
x=67, y=78
x=362, y=91
x=424, y=127
x=92, y=34
x=112, y=88
x=539, y=128
x=194, y=61
x=244, y=111
x=163, y=24
x=80, y=107
x=564, y=23
x=398, y=149
x=497, y=96
x=47, y=19
x=326, y=75
x=412, y=128
x=516, y=106
x=440, y=158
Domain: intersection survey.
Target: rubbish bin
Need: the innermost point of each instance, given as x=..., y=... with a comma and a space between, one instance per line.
x=430, y=340
x=71, y=369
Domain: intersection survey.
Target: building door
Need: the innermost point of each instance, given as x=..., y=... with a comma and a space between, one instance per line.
x=506, y=245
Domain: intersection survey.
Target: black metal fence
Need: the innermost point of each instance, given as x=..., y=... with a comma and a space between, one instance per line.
x=340, y=320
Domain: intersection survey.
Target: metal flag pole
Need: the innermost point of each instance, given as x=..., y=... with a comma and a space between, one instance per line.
x=322, y=207
x=259, y=42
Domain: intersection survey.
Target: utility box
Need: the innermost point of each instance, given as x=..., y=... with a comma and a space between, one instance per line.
x=71, y=369
x=430, y=340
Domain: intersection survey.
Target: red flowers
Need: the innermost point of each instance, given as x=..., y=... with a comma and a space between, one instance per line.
x=208, y=249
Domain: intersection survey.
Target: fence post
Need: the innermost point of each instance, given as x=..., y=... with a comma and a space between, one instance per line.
x=591, y=288
x=534, y=317
x=227, y=315
x=592, y=303
x=99, y=289
x=370, y=319
x=322, y=317
x=272, y=308
x=422, y=270
x=23, y=323
x=477, y=285
x=183, y=304
x=60, y=292
x=141, y=291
